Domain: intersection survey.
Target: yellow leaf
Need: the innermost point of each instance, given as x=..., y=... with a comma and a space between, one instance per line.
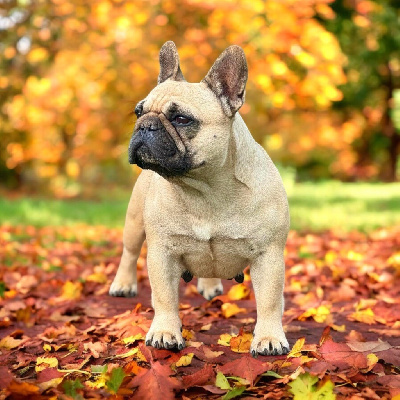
x=372, y=360
x=339, y=328
x=46, y=347
x=128, y=354
x=225, y=339
x=9, y=342
x=45, y=362
x=366, y=316
x=71, y=290
x=99, y=383
x=296, y=349
x=133, y=339
x=188, y=335
x=319, y=314
x=185, y=360
x=238, y=292
x=140, y=356
x=241, y=343
x=230, y=309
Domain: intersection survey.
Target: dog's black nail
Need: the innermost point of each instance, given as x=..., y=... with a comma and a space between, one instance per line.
x=218, y=292
x=187, y=276
x=181, y=346
x=148, y=342
x=239, y=278
x=254, y=353
x=201, y=292
x=157, y=345
x=285, y=350
x=275, y=352
x=181, y=329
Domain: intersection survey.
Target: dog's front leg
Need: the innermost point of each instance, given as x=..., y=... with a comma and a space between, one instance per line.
x=268, y=276
x=164, y=275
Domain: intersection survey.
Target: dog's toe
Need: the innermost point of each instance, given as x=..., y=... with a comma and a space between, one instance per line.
x=118, y=289
x=165, y=340
x=269, y=346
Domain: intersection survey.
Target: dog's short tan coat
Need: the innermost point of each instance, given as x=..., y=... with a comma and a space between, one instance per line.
x=229, y=210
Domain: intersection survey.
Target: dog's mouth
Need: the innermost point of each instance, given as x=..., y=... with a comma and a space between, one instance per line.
x=154, y=149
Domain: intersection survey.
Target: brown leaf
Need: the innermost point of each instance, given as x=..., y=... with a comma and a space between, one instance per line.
x=245, y=367
x=155, y=383
x=199, y=378
x=340, y=355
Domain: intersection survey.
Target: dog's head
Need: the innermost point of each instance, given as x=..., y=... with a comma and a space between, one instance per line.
x=183, y=126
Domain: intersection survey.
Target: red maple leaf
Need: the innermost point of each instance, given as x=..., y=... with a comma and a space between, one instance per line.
x=199, y=378
x=245, y=367
x=155, y=383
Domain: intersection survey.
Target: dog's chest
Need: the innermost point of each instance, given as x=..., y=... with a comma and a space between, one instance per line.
x=211, y=250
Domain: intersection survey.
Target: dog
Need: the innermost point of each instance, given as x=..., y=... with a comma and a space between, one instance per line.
x=209, y=201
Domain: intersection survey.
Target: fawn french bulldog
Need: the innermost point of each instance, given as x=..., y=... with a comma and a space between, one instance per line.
x=209, y=200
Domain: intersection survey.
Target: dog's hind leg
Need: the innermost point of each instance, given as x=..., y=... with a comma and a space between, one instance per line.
x=209, y=287
x=125, y=281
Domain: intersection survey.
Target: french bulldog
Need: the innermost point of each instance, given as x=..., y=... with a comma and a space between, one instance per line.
x=209, y=200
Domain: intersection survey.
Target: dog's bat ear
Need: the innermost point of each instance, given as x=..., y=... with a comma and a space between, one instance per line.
x=169, y=63
x=227, y=79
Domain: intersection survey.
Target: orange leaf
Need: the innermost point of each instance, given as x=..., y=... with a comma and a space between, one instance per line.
x=230, y=309
x=238, y=292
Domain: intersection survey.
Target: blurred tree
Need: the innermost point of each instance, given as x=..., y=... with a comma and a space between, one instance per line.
x=369, y=34
x=71, y=71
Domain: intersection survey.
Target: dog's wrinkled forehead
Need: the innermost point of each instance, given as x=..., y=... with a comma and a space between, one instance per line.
x=195, y=97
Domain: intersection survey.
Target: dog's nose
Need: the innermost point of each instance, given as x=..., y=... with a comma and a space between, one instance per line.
x=149, y=126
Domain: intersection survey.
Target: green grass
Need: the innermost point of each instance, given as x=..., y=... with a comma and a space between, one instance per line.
x=313, y=207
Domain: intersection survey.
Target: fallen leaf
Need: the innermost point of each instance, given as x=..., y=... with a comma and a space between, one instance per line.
x=231, y=309
x=185, y=360
x=221, y=381
x=114, y=382
x=155, y=383
x=23, y=388
x=211, y=354
x=306, y=386
x=246, y=367
x=366, y=316
x=241, y=343
x=45, y=362
x=238, y=292
x=95, y=348
x=199, y=378
x=71, y=290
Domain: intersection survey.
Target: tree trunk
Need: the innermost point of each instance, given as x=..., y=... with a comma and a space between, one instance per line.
x=389, y=130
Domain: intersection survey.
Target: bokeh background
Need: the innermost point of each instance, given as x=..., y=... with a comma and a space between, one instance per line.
x=322, y=98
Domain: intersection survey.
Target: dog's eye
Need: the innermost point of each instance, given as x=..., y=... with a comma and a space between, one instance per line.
x=139, y=110
x=181, y=120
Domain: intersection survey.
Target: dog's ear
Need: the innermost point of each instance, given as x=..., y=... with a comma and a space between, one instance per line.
x=169, y=63
x=227, y=79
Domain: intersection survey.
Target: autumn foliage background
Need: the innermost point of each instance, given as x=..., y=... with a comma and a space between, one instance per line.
x=323, y=99
x=321, y=95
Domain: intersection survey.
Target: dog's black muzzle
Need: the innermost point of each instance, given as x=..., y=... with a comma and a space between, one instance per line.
x=151, y=147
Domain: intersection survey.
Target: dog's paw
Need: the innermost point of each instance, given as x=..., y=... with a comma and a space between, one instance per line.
x=165, y=337
x=120, y=289
x=209, y=287
x=269, y=346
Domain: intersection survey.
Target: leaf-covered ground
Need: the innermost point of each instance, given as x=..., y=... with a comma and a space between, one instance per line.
x=62, y=335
